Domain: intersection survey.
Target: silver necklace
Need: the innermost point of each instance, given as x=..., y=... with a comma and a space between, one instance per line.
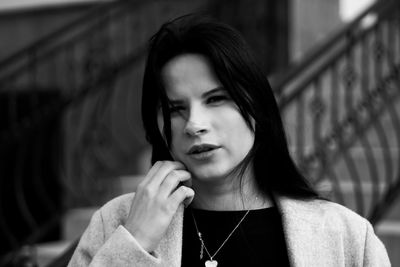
x=211, y=262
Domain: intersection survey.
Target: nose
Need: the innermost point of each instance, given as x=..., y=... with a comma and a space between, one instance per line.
x=197, y=123
x=194, y=130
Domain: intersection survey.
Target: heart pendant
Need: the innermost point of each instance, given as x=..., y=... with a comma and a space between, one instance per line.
x=211, y=263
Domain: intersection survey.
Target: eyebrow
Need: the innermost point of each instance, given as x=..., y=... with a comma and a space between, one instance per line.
x=205, y=95
x=213, y=91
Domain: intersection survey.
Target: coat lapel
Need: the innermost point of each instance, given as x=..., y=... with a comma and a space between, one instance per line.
x=170, y=248
x=308, y=240
x=299, y=232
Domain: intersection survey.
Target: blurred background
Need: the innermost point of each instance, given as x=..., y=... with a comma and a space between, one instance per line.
x=71, y=136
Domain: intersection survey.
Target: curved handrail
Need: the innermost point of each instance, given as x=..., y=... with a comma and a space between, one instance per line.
x=91, y=14
x=322, y=67
x=344, y=32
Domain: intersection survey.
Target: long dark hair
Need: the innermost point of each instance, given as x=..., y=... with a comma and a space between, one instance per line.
x=249, y=88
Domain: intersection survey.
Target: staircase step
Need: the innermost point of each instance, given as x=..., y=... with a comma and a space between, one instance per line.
x=389, y=233
x=75, y=222
x=47, y=252
x=394, y=211
x=350, y=199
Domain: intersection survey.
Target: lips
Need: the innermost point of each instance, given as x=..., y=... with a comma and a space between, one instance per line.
x=197, y=149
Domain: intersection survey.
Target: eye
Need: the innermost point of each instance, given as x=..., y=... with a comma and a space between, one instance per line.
x=174, y=109
x=217, y=99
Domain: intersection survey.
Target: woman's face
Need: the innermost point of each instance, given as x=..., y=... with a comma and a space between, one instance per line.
x=209, y=135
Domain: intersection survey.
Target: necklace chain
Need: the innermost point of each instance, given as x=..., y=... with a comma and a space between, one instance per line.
x=223, y=243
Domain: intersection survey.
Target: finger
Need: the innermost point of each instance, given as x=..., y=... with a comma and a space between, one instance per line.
x=165, y=168
x=159, y=168
x=187, y=183
x=156, y=166
x=154, y=169
x=183, y=195
x=171, y=182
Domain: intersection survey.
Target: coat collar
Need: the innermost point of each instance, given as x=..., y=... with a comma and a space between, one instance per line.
x=303, y=230
x=300, y=226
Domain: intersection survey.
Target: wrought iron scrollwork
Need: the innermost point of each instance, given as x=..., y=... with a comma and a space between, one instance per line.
x=350, y=145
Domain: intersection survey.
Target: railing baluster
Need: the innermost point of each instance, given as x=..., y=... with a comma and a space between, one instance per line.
x=356, y=180
x=397, y=34
x=372, y=171
x=378, y=53
x=19, y=167
x=365, y=66
x=38, y=173
x=370, y=154
x=349, y=81
x=388, y=96
x=334, y=95
x=6, y=232
x=318, y=109
x=71, y=70
x=337, y=189
x=300, y=134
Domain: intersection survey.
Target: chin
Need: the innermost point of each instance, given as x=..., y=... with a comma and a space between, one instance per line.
x=209, y=173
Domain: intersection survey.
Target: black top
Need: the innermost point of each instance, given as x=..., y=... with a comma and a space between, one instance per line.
x=258, y=241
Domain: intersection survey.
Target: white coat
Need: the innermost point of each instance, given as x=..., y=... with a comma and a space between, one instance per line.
x=317, y=232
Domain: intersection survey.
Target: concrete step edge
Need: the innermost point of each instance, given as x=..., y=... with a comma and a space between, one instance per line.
x=388, y=228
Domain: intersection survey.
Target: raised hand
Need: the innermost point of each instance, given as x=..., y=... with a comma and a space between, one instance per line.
x=156, y=201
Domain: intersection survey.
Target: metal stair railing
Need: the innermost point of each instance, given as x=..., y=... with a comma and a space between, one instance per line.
x=342, y=110
x=75, y=52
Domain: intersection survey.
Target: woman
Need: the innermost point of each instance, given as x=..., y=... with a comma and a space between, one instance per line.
x=219, y=150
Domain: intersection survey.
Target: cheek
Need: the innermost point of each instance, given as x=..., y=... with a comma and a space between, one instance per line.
x=232, y=120
x=239, y=132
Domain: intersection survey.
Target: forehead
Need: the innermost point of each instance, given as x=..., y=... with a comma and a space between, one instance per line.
x=188, y=74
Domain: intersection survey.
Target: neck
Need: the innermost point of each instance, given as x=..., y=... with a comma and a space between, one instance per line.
x=233, y=195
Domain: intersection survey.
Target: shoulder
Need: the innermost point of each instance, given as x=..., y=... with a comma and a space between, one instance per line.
x=325, y=213
x=335, y=228
x=115, y=212
x=318, y=207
